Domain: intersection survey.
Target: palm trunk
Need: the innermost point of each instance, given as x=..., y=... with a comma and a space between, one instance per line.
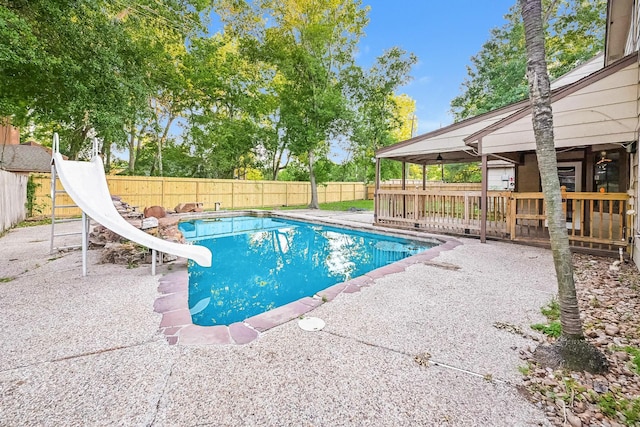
x=575, y=352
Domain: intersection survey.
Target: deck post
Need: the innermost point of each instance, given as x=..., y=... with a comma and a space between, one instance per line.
x=376, y=204
x=404, y=187
x=483, y=198
x=424, y=177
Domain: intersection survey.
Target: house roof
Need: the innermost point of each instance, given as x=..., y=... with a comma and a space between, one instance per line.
x=619, y=38
x=599, y=108
x=29, y=157
x=450, y=142
x=458, y=142
x=447, y=142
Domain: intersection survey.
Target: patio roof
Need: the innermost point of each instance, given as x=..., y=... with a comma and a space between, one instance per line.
x=598, y=109
x=450, y=142
x=447, y=142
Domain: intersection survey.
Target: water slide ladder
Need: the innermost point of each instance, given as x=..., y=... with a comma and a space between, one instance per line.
x=86, y=220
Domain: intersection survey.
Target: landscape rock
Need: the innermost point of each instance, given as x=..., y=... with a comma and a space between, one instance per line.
x=155, y=211
x=609, y=301
x=117, y=250
x=150, y=222
x=189, y=207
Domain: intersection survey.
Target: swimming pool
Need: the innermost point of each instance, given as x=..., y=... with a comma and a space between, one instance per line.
x=260, y=263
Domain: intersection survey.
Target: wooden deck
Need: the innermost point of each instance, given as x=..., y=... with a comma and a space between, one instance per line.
x=594, y=220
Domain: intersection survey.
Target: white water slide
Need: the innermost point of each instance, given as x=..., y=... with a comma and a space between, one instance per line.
x=86, y=184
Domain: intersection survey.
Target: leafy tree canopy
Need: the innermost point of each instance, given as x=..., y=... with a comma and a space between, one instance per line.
x=574, y=33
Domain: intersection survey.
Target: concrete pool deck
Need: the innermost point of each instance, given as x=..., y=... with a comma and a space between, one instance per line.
x=417, y=347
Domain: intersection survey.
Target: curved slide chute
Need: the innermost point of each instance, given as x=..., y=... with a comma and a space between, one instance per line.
x=86, y=184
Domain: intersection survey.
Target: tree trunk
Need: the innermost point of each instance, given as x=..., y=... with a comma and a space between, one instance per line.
x=132, y=149
x=314, y=186
x=161, y=141
x=574, y=350
x=106, y=152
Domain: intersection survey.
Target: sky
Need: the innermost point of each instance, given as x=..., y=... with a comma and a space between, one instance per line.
x=444, y=35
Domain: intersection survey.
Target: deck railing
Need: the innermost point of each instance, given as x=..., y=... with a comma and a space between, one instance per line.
x=448, y=211
x=594, y=220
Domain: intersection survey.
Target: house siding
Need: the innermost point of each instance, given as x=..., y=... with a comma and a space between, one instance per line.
x=605, y=111
x=634, y=175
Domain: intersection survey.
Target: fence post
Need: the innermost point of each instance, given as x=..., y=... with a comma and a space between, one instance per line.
x=233, y=194
x=163, y=192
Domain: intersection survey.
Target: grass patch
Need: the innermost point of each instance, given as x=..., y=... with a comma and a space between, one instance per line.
x=612, y=405
x=552, y=312
x=367, y=205
x=524, y=370
x=553, y=329
x=635, y=358
x=34, y=222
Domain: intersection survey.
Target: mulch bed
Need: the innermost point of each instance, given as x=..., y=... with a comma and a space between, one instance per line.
x=609, y=299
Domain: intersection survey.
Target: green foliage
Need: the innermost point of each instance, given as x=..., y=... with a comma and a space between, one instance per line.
x=635, y=360
x=6, y=279
x=31, y=223
x=366, y=205
x=31, y=205
x=85, y=66
x=554, y=329
x=552, y=310
x=455, y=172
x=524, y=369
x=612, y=405
x=496, y=77
x=376, y=114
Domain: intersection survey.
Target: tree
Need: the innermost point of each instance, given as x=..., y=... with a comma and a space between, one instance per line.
x=574, y=33
x=85, y=66
x=573, y=350
x=309, y=44
x=379, y=116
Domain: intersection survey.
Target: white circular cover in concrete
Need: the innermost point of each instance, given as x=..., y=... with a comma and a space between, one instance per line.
x=311, y=324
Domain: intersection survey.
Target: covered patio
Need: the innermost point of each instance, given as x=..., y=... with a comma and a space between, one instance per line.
x=595, y=121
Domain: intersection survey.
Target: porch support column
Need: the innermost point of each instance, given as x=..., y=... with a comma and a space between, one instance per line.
x=404, y=187
x=375, y=192
x=483, y=197
x=424, y=177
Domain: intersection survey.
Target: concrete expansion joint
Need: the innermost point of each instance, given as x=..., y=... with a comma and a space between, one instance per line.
x=164, y=389
x=81, y=355
x=485, y=377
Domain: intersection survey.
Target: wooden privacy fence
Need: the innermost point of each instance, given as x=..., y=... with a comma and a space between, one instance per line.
x=432, y=186
x=230, y=194
x=13, y=196
x=594, y=220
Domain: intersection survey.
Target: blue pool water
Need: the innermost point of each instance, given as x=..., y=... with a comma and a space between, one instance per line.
x=263, y=263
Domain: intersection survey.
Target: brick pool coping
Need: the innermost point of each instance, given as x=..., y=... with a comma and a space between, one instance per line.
x=176, y=324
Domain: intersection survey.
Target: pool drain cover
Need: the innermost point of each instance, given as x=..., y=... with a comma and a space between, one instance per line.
x=311, y=324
